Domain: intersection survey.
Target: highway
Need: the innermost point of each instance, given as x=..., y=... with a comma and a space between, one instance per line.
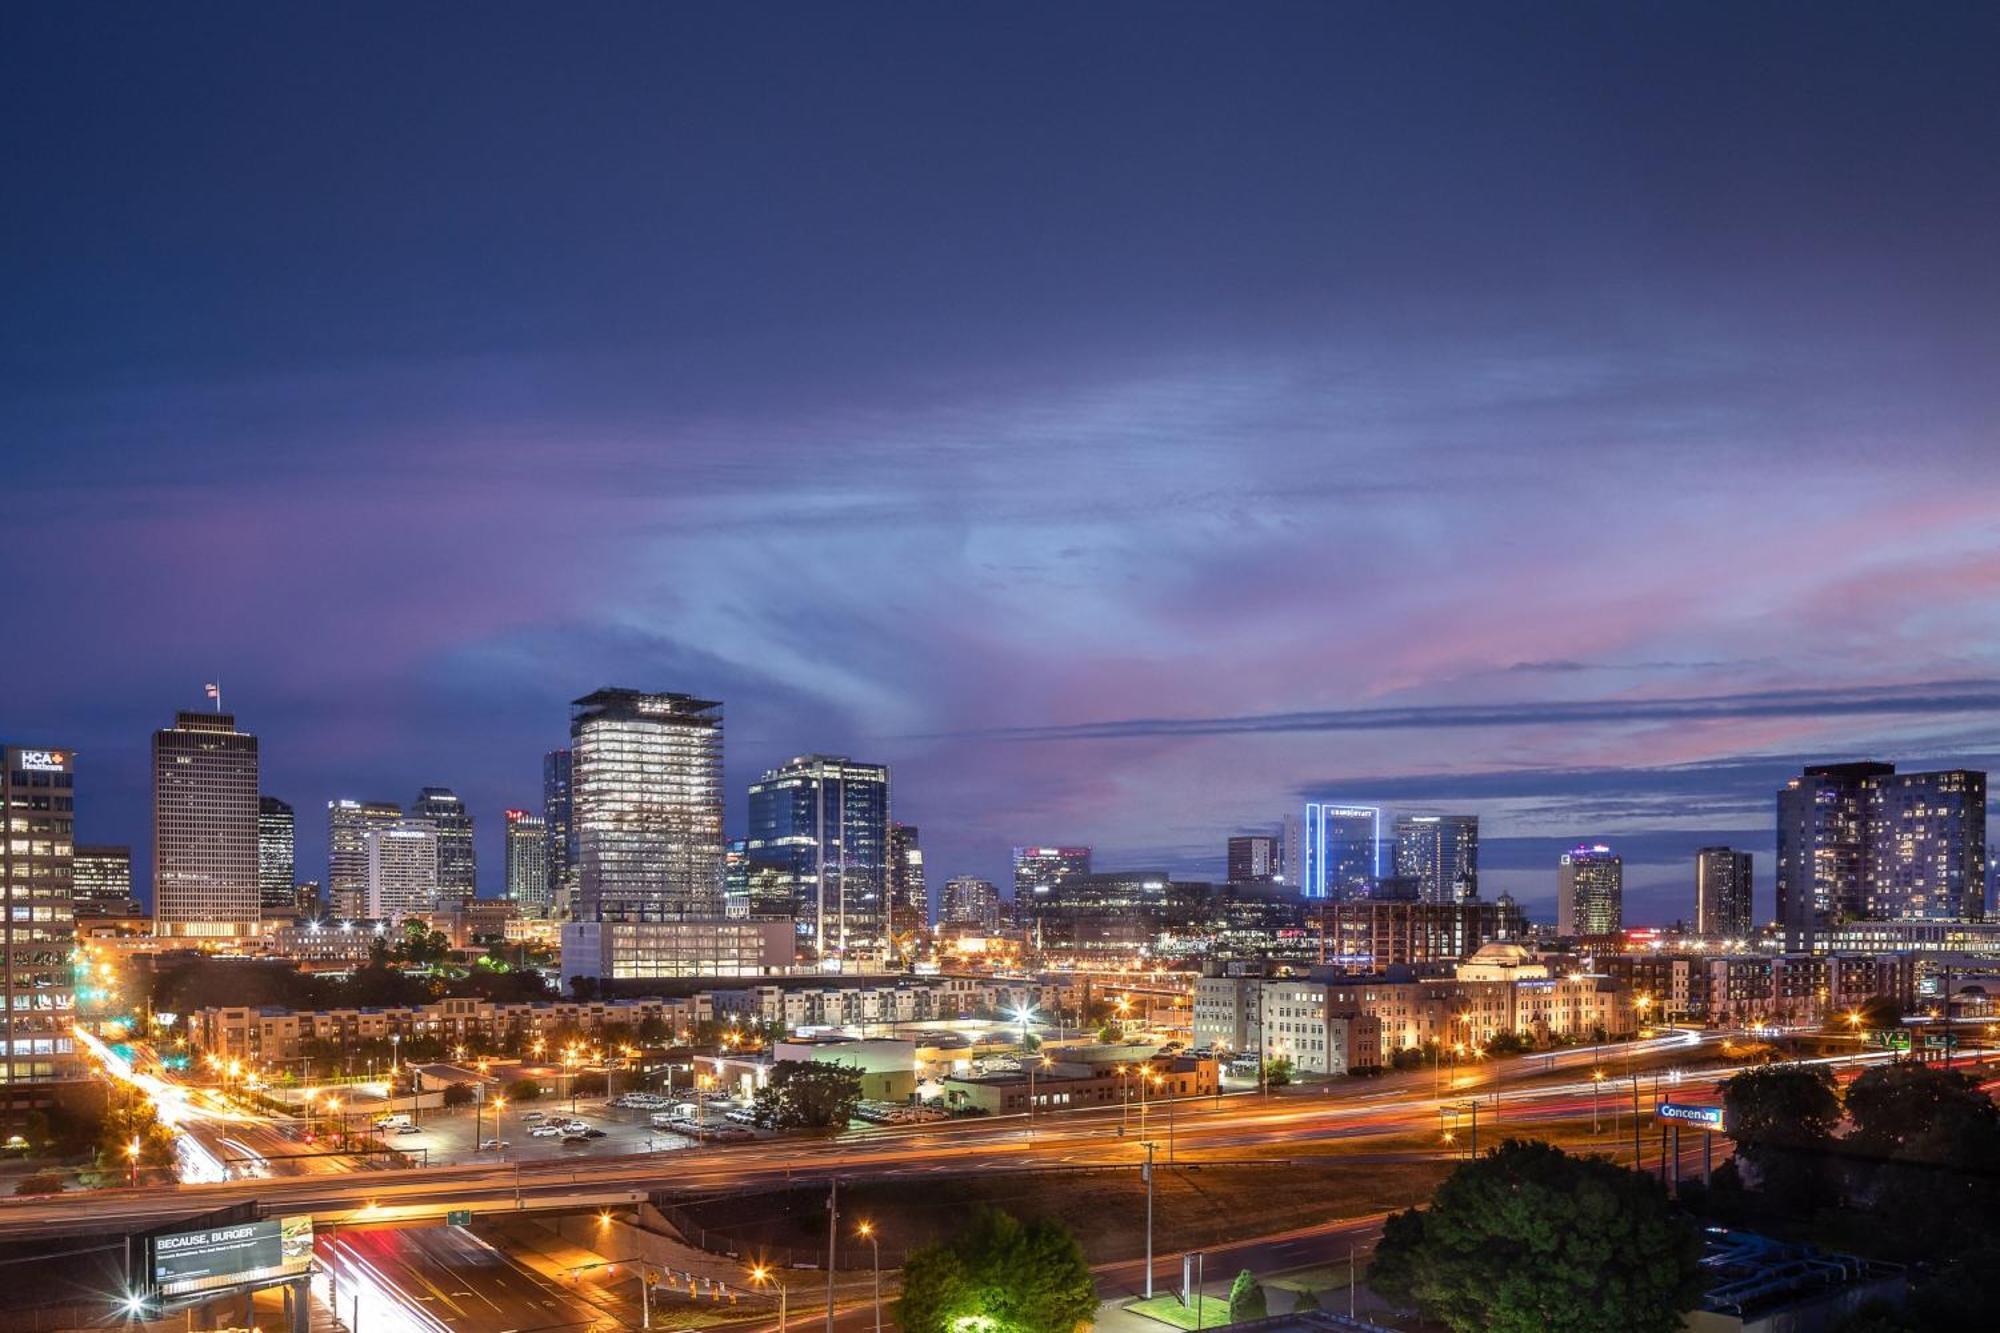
x=446, y=1280
x=1356, y=1109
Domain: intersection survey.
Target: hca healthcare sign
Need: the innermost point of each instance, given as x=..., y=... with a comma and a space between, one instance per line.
x=223, y=1256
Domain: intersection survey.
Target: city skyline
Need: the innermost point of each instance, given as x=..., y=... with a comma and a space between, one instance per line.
x=1512, y=415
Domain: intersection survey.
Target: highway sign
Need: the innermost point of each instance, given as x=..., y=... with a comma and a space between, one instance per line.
x=458, y=1217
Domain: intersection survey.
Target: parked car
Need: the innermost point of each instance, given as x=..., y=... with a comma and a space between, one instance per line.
x=492, y=1145
x=575, y=1138
x=593, y=1133
x=408, y=1129
x=544, y=1131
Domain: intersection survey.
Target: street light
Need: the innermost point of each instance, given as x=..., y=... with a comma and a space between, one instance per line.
x=867, y=1229
x=132, y=1151
x=1596, y=1087
x=760, y=1274
x=1044, y=1063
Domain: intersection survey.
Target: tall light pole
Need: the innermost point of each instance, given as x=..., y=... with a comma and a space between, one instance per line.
x=1596, y=1087
x=1148, y=1168
x=760, y=1275
x=867, y=1229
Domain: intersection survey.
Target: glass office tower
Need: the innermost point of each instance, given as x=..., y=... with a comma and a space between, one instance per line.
x=822, y=823
x=646, y=791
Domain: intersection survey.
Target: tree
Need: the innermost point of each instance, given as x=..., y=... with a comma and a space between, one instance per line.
x=1784, y=1106
x=1246, y=1298
x=1530, y=1238
x=1918, y=1112
x=458, y=1094
x=523, y=1090
x=1782, y=1118
x=809, y=1094
x=1001, y=1276
x=42, y=1182
x=1278, y=1071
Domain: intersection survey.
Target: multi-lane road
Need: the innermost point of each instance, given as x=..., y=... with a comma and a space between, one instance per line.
x=1359, y=1109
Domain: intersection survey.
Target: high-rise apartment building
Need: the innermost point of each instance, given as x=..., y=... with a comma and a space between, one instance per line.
x=909, y=895
x=38, y=928
x=1860, y=841
x=1341, y=850
x=557, y=810
x=277, y=855
x=458, y=863
x=347, y=826
x=1441, y=853
x=1256, y=859
x=1927, y=855
x=102, y=881
x=969, y=901
x=402, y=869
x=1041, y=873
x=646, y=802
x=1823, y=847
x=1722, y=894
x=1590, y=892
x=528, y=863
x=823, y=821
x=204, y=829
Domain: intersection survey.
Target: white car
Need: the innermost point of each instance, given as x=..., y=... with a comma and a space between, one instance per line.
x=545, y=1131
x=492, y=1145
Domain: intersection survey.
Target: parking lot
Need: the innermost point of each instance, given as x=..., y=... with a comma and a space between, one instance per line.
x=454, y=1135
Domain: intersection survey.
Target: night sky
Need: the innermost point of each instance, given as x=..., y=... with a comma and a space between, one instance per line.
x=1125, y=420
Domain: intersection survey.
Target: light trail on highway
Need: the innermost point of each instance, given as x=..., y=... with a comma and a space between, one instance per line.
x=1194, y=1128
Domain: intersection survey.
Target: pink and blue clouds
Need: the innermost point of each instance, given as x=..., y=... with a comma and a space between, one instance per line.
x=1126, y=421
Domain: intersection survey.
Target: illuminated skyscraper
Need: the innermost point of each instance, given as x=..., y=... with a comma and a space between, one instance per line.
x=1341, y=850
x=1861, y=841
x=646, y=792
x=103, y=881
x=1255, y=860
x=347, y=826
x=1823, y=847
x=1722, y=894
x=1441, y=853
x=204, y=829
x=38, y=929
x=1927, y=861
x=823, y=821
x=969, y=901
x=458, y=863
x=557, y=812
x=1043, y=872
x=1590, y=892
x=277, y=844
x=909, y=895
x=528, y=862
x=402, y=869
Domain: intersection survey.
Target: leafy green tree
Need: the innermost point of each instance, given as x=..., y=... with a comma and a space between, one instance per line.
x=809, y=1094
x=1246, y=1298
x=42, y=1182
x=1278, y=1071
x=1920, y=1112
x=1529, y=1238
x=459, y=1094
x=1001, y=1275
x=1782, y=1106
x=523, y=1090
x=1782, y=1117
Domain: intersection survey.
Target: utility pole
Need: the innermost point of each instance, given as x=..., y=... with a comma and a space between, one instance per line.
x=1148, y=1168
x=832, y=1223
